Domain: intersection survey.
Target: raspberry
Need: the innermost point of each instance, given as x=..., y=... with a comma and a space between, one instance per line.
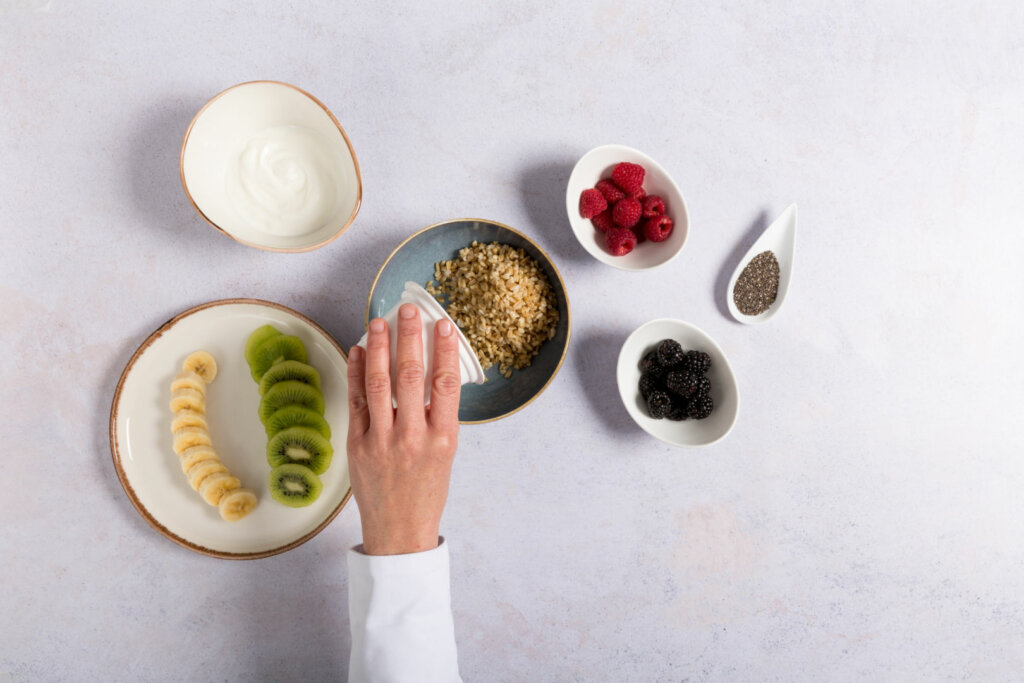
x=592, y=202
x=620, y=241
x=653, y=206
x=603, y=221
x=638, y=230
x=626, y=212
x=610, y=190
x=639, y=195
x=630, y=177
x=657, y=229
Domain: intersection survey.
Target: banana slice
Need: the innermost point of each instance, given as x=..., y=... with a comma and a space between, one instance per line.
x=190, y=457
x=192, y=436
x=187, y=399
x=186, y=379
x=234, y=505
x=183, y=419
x=215, y=486
x=201, y=363
x=199, y=472
x=206, y=474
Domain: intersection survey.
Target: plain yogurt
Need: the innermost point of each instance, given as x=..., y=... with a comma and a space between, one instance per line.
x=284, y=181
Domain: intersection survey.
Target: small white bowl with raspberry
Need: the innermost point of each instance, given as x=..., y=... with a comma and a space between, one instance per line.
x=625, y=209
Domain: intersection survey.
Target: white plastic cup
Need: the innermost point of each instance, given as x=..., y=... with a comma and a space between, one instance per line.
x=431, y=311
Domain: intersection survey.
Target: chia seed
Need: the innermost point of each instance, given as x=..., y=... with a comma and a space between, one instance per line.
x=758, y=284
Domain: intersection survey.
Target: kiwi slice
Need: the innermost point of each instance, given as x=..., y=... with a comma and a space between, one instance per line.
x=290, y=369
x=296, y=415
x=259, y=335
x=300, y=445
x=290, y=392
x=276, y=350
x=294, y=485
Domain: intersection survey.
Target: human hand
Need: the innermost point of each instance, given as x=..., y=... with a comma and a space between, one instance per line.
x=400, y=460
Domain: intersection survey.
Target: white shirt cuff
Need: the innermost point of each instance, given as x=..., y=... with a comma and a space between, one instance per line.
x=401, y=617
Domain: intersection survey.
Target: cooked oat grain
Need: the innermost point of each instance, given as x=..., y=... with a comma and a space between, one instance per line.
x=501, y=300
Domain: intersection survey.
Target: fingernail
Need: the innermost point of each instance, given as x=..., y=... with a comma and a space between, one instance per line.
x=407, y=311
x=444, y=328
x=356, y=354
x=378, y=325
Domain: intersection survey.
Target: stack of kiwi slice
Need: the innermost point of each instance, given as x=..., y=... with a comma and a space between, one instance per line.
x=292, y=412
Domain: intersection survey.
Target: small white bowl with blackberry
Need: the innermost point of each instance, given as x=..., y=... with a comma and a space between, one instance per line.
x=677, y=384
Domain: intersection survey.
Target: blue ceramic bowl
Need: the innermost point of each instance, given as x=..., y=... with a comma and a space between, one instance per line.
x=414, y=260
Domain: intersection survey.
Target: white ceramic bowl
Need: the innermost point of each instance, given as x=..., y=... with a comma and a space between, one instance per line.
x=431, y=312
x=724, y=391
x=310, y=150
x=596, y=165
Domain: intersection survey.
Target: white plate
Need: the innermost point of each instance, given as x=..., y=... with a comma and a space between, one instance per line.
x=141, y=444
x=724, y=390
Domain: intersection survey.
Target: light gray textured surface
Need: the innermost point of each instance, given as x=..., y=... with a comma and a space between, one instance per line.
x=862, y=522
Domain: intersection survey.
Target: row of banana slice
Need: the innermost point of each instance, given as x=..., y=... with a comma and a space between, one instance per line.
x=199, y=461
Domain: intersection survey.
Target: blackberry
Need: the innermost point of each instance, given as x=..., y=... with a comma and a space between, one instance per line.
x=677, y=412
x=649, y=364
x=682, y=382
x=698, y=361
x=670, y=353
x=701, y=407
x=703, y=386
x=658, y=404
x=648, y=383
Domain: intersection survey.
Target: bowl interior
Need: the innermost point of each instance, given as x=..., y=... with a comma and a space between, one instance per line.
x=596, y=165
x=220, y=133
x=724, y=389
x=414, y=260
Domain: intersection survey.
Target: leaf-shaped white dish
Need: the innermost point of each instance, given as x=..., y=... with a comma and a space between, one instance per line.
x=780, y=239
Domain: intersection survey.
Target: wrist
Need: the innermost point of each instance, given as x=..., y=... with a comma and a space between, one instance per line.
x=399, y=542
